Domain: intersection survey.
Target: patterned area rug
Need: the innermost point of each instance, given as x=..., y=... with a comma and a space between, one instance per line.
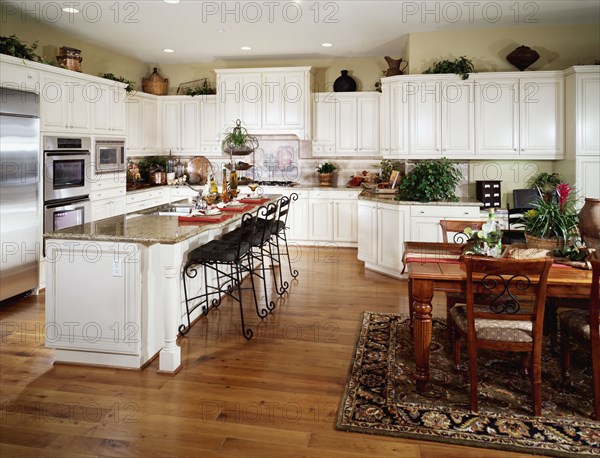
x=380, y=396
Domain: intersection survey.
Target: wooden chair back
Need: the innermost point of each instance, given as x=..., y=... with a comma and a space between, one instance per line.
x=458, y=227
x=508, y=281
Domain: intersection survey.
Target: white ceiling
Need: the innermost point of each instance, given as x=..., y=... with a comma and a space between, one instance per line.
x=203, y=31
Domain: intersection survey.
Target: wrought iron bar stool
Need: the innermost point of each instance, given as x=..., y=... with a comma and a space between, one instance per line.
x=260, y=249
x=229, y=260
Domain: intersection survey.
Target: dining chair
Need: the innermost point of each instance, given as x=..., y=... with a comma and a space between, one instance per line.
x=513, y=321
x=515, y=232
x=457, y=228
x=582, y=326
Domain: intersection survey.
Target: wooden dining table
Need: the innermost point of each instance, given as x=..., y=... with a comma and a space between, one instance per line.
x=437, y=267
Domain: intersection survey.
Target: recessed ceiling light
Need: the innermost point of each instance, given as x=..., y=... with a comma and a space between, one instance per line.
x=171, y=1
x=220, y=30
x=168, y=50
x=327, y=45
x=70, y=10
x=246, y=48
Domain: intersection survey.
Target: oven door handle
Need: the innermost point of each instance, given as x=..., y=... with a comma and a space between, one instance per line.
x=64, y=202
x=64, y=153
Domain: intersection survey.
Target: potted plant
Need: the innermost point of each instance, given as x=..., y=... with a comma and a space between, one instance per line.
x=325, y=172
x=238, y=142
x=430, y=181
x=552, y=223
x=545, y=183
x=461, y=66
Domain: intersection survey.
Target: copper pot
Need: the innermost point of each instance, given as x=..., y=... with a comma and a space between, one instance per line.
x=157, y=178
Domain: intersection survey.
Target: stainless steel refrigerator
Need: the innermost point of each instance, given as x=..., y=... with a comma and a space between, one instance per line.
x=20, y=216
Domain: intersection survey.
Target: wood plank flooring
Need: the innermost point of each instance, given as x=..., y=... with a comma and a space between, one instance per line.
x=274, y=396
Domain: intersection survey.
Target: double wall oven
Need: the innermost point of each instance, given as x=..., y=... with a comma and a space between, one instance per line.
x=67, y=181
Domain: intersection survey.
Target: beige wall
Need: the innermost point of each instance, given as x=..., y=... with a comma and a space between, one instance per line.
x=513, y=174
x=96, y=59
x=559, y=47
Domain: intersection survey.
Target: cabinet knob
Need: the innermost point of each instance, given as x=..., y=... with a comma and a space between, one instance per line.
x=437, y=149
x=522, y=149
x=444, y=149
x=421, y=212
x=516, y=149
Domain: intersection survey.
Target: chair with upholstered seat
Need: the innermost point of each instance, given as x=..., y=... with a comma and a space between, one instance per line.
x=506, y=323
x=582, y=327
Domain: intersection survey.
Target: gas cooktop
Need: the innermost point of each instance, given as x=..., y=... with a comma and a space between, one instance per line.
x=277, y=183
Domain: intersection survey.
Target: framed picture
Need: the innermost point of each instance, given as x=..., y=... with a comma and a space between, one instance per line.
x=394, y=179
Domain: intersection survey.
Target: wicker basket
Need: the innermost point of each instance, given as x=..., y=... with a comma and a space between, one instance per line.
x=546, y=244
x=155, y=84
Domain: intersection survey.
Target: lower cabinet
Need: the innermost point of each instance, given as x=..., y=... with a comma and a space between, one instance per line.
x=107, y=208
x=382, y=230
x=298, y=218
x=333, y=217
x=142, y=200
x=588, y=171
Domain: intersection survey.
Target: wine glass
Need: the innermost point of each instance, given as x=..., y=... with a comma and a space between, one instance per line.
x=209, y=199
x=253, y=185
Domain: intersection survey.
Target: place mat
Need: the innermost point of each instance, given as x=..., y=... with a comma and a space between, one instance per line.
x=243, y=208
x=204, y=218
x=380, y=395
x=249, y=200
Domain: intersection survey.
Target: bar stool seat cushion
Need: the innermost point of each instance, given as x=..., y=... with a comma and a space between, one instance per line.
x=219, y=251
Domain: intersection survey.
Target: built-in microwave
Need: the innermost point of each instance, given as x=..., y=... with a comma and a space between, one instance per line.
x=110, y=155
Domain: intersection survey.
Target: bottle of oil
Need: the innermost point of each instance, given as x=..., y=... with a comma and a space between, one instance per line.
x=224, y=182
x=213, y=185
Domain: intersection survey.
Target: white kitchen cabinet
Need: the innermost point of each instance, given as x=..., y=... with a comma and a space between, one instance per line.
x=18, y=74
x=321, y=220
x=393, y=129
x=587, y=173
x=345, y=220
x=210, y=144
x=441, y=117
x=65, y=103
x=107, y=198
x=425, y=220
x=142, y=114
x=109, y=110
x=298, y=218
x=367, y=231
x=520, y=117
x=324, y=115
x=107, y=208
x=357, y=123
x=333, y=216
x=141, y=200
x=181, y=124
x=266, y=100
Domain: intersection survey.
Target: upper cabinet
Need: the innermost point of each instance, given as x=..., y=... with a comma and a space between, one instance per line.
x=267, y=100
x=520, y=117
x=393, y=126
x=441, y=115
x=65, y=104
x=346, y=124
x=210, y=144
x=142, y=118
x=18, y=74
x=181, y=124
x=109, y=111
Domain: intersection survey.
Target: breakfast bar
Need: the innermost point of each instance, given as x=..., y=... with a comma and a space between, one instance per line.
x=113, y=287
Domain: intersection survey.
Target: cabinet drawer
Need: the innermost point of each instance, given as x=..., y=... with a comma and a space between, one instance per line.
x=333, y=194
x=108, y=181
x=145, y=195
x=444, y=212
x=109, y=193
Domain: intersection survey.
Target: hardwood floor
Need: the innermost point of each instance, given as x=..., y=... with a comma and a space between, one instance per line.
x=276, y=395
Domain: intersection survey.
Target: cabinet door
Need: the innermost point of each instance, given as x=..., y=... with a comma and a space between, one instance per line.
x=588, y=171
x=298, y=220
x=497, y=120
x=54, y=103
x=190, y=126
x=425, y=229
x=240, y=97
x=148, y=124
x=391, y=233
x=542, y=117
x=100, y=210
x=368, y=125
x=458, y=112
x=398, y=120
x=425, y=117
x=345, y=225
x=118, y=111
x=588, y=112
x=171, y=113
x=367, y=232
x=346, y=122
x=102, y=115
x=324, y=109
x=80, y=108
x=385, y=116
x=321, y=220
x=134, y=124
x=209, y=134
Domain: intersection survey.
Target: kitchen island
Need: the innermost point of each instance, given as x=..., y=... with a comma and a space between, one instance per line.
x=114, y=291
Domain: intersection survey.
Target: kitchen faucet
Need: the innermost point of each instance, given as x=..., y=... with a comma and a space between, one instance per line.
x=198, y=200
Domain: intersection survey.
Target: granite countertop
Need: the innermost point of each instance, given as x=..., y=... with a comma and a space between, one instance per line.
x=302, y=186
x=142, y=227
x=389, y=199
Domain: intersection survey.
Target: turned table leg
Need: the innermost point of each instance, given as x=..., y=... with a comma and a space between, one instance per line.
x=422, y=292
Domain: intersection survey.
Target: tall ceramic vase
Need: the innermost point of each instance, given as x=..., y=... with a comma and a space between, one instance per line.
x=589, y=222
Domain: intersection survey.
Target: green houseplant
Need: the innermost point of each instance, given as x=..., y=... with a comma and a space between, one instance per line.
x=461, y=66
x=237, y=141
x=13, y=46
x=325, y=172
x=545, y=182
x=430, y=181
x=130, y=84
x=552, y=223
